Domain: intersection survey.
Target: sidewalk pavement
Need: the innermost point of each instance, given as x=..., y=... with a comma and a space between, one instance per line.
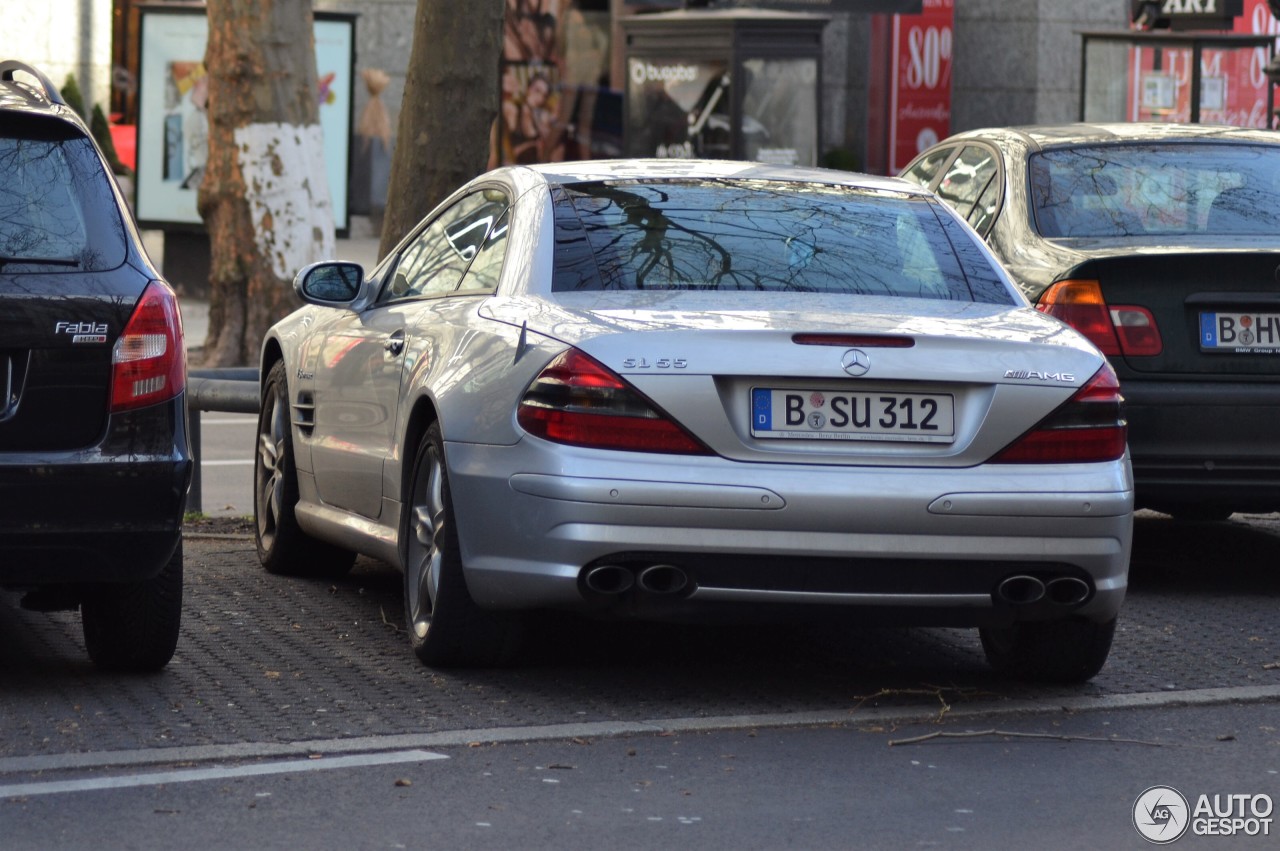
x=195, y=311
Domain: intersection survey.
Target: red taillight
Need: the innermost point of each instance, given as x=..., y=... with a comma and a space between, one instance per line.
x=149, y=362
x=1090, y=426
x=578, y=401
x=1137, y=330
x=1118, y=329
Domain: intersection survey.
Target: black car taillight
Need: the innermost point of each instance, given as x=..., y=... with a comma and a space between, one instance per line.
x=1090, y=426
x=1119, y=329
x=578, y=401
x=149, y=361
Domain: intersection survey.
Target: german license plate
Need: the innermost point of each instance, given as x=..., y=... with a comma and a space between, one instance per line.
x=1247, y=333
x=871, y=415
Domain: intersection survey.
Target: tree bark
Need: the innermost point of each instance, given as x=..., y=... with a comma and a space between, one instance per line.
x=450, y=100
x=264, y=197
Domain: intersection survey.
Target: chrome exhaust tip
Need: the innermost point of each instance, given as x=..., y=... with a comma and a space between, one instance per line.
x=609, y=579
x=1020, y=590
x=663, y=579
x=1068, y=590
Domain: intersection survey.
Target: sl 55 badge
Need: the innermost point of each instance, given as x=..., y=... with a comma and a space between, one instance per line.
x=659, y=363
x=83, y=332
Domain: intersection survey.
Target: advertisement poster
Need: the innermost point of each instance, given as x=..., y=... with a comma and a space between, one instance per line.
x=1233, y=87
x=555, y=103
x=920, y=83
x=173, y=130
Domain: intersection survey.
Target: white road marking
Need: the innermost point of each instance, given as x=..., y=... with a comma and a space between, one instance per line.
x=192, y=775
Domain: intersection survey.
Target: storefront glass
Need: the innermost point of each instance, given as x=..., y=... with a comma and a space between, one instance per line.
x=780, y=111
x=678, y=109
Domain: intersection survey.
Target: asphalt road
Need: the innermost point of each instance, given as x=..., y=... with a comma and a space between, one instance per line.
x=226, y=468
x=1053, y=780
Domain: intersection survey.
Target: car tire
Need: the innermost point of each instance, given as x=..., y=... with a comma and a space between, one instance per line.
x=446, y=626
x=1071, y=650
x=133, y=626
x=283, y=548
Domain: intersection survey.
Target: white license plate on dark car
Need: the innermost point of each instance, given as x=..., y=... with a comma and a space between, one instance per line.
x=832, y=415
x=1253, y=333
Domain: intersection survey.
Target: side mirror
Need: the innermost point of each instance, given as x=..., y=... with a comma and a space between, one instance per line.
x=331, y=283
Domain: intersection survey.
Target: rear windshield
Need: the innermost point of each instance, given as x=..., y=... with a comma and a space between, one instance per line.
x=57, y=210
x=1121, y=190
x=765, y=237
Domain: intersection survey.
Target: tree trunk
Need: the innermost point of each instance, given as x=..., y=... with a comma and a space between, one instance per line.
x=450, y=100
x=264, y=197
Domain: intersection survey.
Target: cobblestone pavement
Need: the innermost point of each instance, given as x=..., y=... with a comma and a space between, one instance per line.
x=271, y=659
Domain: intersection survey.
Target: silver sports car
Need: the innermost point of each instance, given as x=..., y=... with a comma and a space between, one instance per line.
x=674, y=389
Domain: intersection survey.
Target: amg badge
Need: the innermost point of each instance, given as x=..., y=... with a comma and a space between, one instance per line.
x=1067, y=377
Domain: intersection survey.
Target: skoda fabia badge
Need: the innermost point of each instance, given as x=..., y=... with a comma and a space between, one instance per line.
x=855, y=362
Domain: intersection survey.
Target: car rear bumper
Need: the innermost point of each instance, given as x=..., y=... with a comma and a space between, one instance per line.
x=910, y=545
x=1204, y=443
x=109, y=513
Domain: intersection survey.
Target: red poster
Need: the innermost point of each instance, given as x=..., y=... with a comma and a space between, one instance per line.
x=920, y=97
x=1233, y=87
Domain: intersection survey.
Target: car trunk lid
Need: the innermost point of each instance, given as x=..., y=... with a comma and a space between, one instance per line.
x=1218, y=312
x=894, y=382
x=55, y=359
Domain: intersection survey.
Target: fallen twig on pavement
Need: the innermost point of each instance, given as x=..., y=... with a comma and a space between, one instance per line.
x=970, y=734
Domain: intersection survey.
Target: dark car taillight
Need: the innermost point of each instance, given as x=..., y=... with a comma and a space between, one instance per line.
x=1118, y=329
x=1090, y=426
x=149, y=361
x=578, y=401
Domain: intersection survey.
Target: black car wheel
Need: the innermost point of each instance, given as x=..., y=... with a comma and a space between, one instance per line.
x=446, y=627
x=283, y=547
x=133, y=626
x=1071, y=650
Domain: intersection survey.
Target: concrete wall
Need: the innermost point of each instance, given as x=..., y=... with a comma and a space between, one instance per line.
x=63, y=37
x=1018, y=61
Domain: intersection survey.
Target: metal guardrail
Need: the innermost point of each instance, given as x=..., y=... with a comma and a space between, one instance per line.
x=232, y=390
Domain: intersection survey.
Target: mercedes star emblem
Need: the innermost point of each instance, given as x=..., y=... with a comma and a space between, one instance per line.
x=855, y=362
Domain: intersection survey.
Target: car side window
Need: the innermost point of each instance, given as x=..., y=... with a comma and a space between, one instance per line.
x=486, y=269
x=967, y=178
x=925, y=170
x=984, y=210
x=435, y=262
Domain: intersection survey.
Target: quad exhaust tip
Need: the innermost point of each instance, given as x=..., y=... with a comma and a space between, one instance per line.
x=609, y=579
x=1067, y=590
x=1021, y=590
x=1026, y=590
x=612, y=580
x=663, y=579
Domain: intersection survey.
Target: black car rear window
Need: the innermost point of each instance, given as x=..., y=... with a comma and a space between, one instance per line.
x=1159, y=188
x=763, y=236
x=57, y=210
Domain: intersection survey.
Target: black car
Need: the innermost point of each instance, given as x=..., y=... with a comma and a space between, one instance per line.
x=94, y=457
x=1161, y=243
